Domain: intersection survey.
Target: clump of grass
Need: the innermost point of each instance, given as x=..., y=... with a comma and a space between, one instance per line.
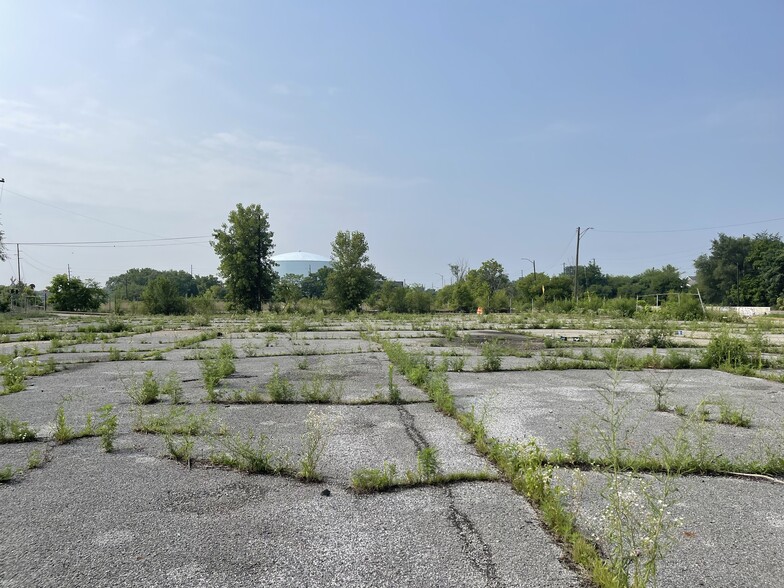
x=321, y=391
x=302, y=364
x=249, y=349
x=172, y=387
x=374, y=479
x=437, y=388
x=145, y=391
x=394, y=390
x=7, y=474
x=14, y=431
x=13, y=377
x=217, y=366
x=36, y=459
x=448, y=331
x=491, y=357
x=249, y=453
x=279, y=388
x=318, y=428
x=177, y=421
x=180, y=448
x=457, y=364
x=730, y=415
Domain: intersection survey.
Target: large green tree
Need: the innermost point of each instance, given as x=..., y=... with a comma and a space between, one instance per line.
x=742, y=270
x=161, y=296
x=244, y=246
x=74, y=294
x=353, y=277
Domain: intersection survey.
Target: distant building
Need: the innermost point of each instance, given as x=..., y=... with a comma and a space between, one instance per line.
x=300, y=263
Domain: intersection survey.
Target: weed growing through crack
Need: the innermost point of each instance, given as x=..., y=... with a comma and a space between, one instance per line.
x=14, y=431
x=215, y=367
x=428, y=464
x=659, y=382
x=172, y=387
x=145, y=391
x=393, y=389
x=279, y=388
x=176, y=421
x=180, y=448
x=107, y=427
x=491, y=357
x=318, y=428
x=730, y=415
x=7, y=474
x=36, y=459
x=13, y=377
x=636, y=525
x=63, y=433
x=249, y=453
x=321, y=391
x=373, y=479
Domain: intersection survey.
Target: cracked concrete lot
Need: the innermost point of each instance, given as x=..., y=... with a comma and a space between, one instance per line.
x=139, y=517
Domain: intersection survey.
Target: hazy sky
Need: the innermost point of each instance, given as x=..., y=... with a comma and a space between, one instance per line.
x=442, y=130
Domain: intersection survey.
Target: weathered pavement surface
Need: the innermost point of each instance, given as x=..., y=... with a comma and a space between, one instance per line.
x=137, y=518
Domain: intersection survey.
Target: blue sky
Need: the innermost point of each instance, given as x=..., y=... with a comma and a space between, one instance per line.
x=442, y=130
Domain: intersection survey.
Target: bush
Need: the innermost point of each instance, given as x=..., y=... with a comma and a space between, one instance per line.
x=727, y=352
x=161, y=296
x=491, y=357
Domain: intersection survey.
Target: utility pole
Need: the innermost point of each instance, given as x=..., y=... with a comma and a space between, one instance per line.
x=18, y=267
x=577, y=259
x=69, y=272
x=533, y=261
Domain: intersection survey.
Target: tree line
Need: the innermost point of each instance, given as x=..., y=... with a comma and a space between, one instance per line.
x=738, y=271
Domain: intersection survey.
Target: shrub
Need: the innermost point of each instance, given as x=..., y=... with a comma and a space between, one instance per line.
x=491, y=357
x=161, y=296
x=727, y=352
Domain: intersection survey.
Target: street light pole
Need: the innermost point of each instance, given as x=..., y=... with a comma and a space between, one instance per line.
x=577, y=259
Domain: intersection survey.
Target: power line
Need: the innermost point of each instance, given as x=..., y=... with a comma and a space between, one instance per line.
x=80, y=214
x=770, y=220
x=114, y=242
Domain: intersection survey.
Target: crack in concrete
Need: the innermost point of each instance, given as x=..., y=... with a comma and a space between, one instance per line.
x=413, y=433
x=475, y=549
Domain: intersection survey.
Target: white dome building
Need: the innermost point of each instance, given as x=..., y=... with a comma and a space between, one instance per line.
x=300, y=263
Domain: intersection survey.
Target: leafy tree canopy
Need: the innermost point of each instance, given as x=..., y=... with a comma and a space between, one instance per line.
x=353, y=277
x=244, y=246
x=161, y=296
x=74, y=294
